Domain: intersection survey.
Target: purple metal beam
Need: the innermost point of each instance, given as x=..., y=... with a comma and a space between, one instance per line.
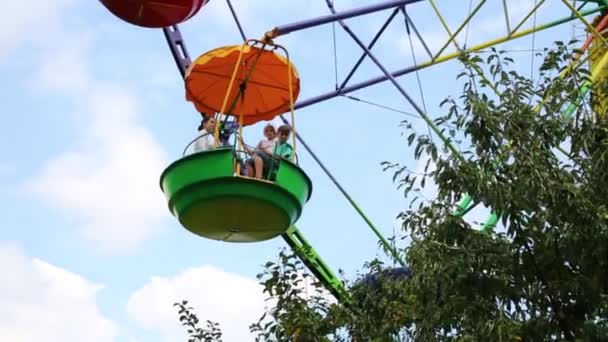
x=343, y=89
x=300, y=25
x=408, y=23
x=182, y=59
x=178, y=48
x=419, y=110
x=370, y=46
x=354, y=87
x=377, y=62
x=236, y=19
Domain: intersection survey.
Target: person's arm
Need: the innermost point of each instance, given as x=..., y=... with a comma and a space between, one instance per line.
x=287, y=152
x=247, y=148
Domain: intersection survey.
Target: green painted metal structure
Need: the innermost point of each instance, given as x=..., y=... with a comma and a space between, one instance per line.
x=295, y=239
x=209, y=200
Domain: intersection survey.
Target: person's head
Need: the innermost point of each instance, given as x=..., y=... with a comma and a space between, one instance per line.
x=270, y=132
x=208, y=123
x=283, y=133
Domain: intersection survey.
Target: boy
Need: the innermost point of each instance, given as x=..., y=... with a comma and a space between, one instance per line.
x=283, y=149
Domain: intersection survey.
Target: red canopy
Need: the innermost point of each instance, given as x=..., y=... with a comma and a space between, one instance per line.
x=154, y=13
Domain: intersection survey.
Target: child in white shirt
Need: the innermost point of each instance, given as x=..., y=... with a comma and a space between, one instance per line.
x=265, y=146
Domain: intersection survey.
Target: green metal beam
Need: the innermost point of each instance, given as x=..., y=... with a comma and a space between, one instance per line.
x=313, y=261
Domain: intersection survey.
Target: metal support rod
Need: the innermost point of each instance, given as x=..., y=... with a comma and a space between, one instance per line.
x=413, y=103
x=586, y=23
x=567, y=113
x=236, y=20
x=410, y=23
x=182, y=60
x=294, y=238
x=586, y=86
x=445, y=58
x=493, y=217
x=579, y=6
x=504, y=6
x=345, y=194
x=527, y=17
x=178, y=48
x=462, y=26
x=416, y=107
x=300, y=25
x=444, y=24
x=371, y=45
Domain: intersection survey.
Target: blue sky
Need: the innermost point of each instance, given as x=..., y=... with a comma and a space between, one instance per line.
x=94, y=109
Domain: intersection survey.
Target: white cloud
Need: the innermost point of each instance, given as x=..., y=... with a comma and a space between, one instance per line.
x=42, y=302
x=109, y=182
x=23, y=21
x=62, y=66
x=232, y=300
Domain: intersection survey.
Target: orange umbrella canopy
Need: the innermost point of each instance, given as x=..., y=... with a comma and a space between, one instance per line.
x=265, y=92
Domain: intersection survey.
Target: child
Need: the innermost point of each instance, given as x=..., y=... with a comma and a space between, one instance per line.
x=264, y=149
x=282, y=149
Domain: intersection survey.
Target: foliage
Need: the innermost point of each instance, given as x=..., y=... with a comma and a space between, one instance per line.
x=210, y=333
x=542, y=274
x=300, y=303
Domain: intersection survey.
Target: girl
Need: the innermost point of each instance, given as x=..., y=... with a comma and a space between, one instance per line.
x=265, y=146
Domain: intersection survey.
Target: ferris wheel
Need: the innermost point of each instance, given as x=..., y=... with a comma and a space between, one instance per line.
x=214, y=193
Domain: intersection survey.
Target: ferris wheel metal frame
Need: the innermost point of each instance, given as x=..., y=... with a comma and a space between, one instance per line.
x=293, y=236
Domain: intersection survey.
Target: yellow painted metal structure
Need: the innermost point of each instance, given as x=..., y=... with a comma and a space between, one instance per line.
x=599, y=91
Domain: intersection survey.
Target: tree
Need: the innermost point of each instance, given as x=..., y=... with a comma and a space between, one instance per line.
x=210, y=333
x=542, y=274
